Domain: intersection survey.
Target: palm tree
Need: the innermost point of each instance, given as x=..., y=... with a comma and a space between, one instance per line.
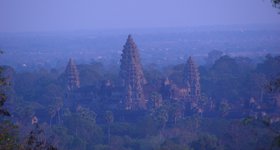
x=52, y=114
x=109, y=119
x=161, y=116
x=54, y=110
x=177, y=111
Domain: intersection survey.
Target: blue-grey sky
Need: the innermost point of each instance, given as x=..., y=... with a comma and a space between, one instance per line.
x=61, y=15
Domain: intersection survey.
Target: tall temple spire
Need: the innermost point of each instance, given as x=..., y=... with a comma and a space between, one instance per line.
x=72, y=74
x=132, y=75
x=192, y=78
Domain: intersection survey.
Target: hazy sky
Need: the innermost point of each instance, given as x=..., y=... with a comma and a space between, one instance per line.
x=57, y=15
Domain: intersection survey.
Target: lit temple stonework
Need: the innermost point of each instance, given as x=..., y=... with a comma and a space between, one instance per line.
x=132, y=76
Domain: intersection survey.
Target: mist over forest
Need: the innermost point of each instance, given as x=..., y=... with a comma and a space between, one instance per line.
x=155, y=80
x=27, y=51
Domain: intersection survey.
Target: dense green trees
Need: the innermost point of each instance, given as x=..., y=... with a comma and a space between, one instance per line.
x=8, y=131
x=8, y=135
x=207, y=142
x=3, y=96
x=228, y=85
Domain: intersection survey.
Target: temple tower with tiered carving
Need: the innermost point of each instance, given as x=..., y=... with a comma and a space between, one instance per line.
x=192, y=79
x=132, y=76
x=72, y=75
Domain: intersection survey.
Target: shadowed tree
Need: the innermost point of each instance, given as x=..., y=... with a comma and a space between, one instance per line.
x=213, y=56
x=3, y=97
x=224, y=108
x=224, y=79
x=274, y=85
x=274, y=88
x=109, y=119
x=55, y=109
x=161, y=116
x=36, y=139
x=177, y=111
x=7, y=129
x=271, y=67
x=276, y=3
x=207, y=142
x=86, y=114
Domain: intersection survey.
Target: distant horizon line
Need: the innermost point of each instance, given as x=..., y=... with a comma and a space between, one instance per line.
x=268, y=26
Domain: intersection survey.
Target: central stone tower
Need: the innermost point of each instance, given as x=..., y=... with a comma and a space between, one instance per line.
x=132, y=76
x=72, y=74
x=192, y=79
